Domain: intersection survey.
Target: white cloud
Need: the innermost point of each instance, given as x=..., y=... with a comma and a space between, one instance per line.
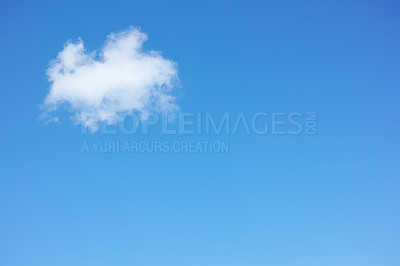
x=118, y=80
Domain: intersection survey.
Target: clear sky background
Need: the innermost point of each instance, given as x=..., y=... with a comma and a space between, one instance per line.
x=328, y=199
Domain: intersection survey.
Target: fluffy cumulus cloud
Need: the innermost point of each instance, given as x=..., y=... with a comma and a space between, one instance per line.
x=119, y=79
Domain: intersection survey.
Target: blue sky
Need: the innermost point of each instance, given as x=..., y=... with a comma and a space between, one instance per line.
x=324, y=199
